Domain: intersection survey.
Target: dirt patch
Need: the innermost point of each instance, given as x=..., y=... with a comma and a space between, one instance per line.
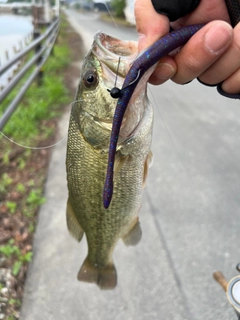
x=20, y=198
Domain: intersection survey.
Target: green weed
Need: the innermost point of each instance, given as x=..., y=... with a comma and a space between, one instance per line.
x=15, y=302
x=12, y=206
x=20, y=188
x=10, y=250
x=21, y=164
x=6, y=157
x=22, y=258
x=5, y=181
x=31, y=183
x=31, y=227
x=35, y=198
x=16, y=267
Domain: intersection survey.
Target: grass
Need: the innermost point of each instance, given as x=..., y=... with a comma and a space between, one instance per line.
x=40, y=102
x=10, y=250
x=23, y=171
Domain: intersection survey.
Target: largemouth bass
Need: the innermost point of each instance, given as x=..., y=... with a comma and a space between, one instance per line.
x=87, y=156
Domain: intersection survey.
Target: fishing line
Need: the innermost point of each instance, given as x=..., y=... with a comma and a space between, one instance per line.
x=32, y=148
x=119, y=58
x=169, y=134
x=113, y=20
x=38, y=148
x=115, y=92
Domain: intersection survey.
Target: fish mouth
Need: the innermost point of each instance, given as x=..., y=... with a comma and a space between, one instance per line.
x=116, y=54
x=116, y=57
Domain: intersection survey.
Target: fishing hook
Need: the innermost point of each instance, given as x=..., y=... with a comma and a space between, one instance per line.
x=116, y=92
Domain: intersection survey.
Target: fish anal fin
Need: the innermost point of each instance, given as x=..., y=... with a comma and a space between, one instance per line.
x=134, y=235
x=105, y=278
x=73, y=225
x=147, y=164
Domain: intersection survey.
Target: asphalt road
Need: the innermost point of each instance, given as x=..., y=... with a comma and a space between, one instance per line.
x=190, y=216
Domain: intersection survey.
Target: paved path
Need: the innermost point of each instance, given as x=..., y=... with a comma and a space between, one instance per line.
x=190, y=219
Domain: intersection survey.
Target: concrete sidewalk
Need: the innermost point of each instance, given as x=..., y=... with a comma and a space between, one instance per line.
x=52, y=290
x=189, y=218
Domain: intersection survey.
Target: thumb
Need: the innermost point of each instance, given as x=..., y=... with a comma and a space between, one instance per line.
x=150, y=25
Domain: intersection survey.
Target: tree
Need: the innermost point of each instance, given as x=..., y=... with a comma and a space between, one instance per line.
x=118, y=7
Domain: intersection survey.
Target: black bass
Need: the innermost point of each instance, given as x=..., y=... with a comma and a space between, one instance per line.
x=87, y=156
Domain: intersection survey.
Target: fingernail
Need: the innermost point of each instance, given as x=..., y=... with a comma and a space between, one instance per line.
x=217, y=37
x=142, y=41
x=165, y=71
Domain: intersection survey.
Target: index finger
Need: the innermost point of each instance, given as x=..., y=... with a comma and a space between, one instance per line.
x=150, y=25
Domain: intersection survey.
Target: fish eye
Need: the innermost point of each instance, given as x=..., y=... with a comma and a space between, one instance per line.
x=90, y=78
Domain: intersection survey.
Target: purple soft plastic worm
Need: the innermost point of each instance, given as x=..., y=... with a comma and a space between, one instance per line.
x=145, y=61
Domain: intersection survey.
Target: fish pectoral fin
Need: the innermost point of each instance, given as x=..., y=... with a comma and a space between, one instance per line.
x=119, y=161
x=134, y=235
x=73, y=225
x=105, y=278
x=147, y=164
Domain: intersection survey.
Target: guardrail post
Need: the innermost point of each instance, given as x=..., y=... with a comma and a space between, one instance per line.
x=37, y=34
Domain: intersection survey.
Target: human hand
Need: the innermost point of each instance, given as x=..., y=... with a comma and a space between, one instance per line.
x=212, y=54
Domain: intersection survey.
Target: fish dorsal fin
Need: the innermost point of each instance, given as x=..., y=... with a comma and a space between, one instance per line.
x=73, y=225
x=134, y=235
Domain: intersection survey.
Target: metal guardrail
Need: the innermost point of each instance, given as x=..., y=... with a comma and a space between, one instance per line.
x=42, y=52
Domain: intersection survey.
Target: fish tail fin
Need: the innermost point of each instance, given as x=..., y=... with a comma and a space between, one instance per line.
x=105, y=278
